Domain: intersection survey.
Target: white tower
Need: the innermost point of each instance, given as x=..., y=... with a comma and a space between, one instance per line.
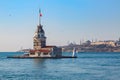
x=39, y=39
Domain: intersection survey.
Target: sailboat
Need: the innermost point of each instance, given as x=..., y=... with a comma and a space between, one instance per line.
x=74, y=52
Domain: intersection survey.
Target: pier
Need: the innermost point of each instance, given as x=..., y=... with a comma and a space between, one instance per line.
x=27, y=57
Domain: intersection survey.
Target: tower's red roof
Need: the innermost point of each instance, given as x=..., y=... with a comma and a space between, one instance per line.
x=49, y=46
x=40, y=50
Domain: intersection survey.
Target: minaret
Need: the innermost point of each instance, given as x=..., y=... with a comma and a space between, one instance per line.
x=39, y=39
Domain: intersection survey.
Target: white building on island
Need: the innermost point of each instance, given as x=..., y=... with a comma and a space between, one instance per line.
x=40, y=49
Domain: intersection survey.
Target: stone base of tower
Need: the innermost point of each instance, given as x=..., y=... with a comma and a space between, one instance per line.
x=47, y=51
x=28, y=57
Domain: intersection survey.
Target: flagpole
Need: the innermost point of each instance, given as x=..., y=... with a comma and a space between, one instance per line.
x=39, y=17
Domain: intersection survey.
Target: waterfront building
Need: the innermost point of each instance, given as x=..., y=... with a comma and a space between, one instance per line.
x=109, y=43
x=118, y=43
x=40, y=49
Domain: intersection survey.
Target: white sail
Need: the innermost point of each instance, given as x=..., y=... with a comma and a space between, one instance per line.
x=74, y=51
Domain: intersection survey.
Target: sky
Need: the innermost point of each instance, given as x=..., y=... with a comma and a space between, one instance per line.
x=64, y=21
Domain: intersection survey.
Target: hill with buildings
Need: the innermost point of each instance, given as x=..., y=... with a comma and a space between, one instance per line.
x=97, y=46
x=90, y=46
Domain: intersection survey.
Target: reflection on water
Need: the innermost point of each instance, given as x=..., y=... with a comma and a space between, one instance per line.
x=40, y=63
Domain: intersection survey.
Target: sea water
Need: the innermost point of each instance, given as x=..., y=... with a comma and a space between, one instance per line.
x=88, y=66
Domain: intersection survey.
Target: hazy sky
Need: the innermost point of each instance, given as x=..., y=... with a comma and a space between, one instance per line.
x=63, y=21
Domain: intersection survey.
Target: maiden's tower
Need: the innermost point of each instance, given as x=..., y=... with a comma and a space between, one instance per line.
x=40, y=49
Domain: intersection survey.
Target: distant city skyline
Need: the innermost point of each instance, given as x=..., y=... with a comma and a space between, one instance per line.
x=62, y=20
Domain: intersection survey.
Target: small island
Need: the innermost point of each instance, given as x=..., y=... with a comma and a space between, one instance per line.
x=40, y=49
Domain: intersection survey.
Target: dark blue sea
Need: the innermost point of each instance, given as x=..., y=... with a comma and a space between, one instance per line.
x=88, y=66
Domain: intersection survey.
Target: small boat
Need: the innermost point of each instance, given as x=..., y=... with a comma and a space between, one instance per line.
x=74, y=52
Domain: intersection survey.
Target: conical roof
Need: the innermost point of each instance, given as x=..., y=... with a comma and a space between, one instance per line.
x=40, y=29
x=39, y=32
